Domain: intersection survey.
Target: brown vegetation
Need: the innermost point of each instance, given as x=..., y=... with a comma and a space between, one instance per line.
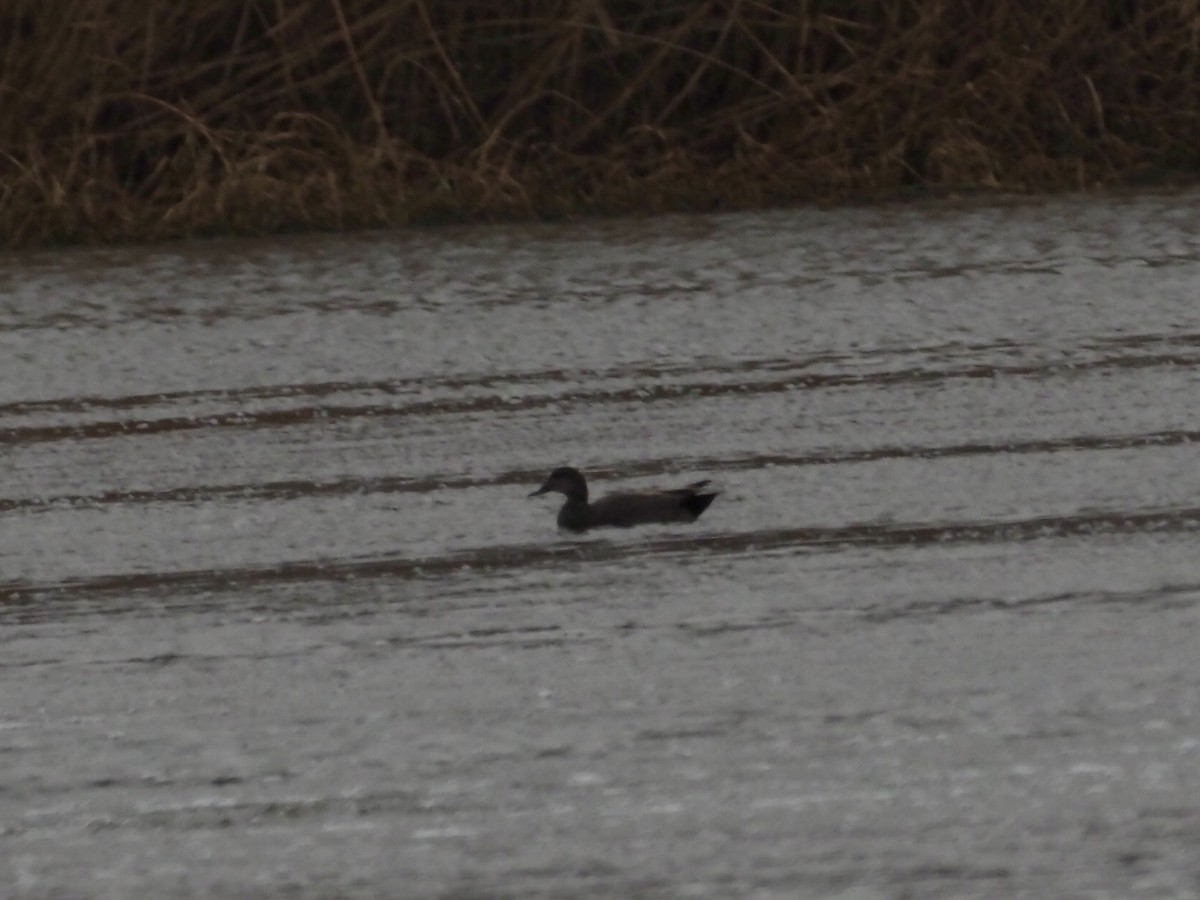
x=123, y=119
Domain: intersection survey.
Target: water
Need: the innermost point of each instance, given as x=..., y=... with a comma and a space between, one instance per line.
x=278, y=619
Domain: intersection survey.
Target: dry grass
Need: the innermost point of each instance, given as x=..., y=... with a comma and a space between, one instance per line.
x=123, y=120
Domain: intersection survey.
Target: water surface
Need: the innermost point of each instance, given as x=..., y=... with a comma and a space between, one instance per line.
x=278, y=618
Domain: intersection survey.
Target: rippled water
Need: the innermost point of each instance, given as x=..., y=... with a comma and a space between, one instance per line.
x=278, y=618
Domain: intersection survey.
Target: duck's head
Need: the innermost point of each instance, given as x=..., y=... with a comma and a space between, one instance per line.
x=567, y=481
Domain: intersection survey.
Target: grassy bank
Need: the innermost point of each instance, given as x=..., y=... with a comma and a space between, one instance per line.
x=125, y=120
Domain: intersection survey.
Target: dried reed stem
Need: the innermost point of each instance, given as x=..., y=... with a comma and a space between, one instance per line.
x=121, y=120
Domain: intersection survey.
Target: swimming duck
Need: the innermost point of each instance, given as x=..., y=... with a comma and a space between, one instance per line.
x=621, y=510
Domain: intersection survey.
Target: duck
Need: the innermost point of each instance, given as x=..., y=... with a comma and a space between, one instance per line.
x=626, y=508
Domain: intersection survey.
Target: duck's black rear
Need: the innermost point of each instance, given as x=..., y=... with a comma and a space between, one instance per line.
x=697, y=503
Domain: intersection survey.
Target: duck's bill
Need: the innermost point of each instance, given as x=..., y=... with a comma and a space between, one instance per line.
x=542, y=490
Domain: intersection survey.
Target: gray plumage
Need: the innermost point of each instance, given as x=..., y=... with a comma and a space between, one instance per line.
x=626, y=508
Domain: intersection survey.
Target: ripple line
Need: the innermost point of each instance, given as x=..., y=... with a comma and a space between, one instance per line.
x=292, y=489
x=646, y=393
x=513, y=557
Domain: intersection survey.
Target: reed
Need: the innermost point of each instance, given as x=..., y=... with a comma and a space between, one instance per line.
x=126, y=120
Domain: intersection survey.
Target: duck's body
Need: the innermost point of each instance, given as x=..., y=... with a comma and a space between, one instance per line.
x=626, y=508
